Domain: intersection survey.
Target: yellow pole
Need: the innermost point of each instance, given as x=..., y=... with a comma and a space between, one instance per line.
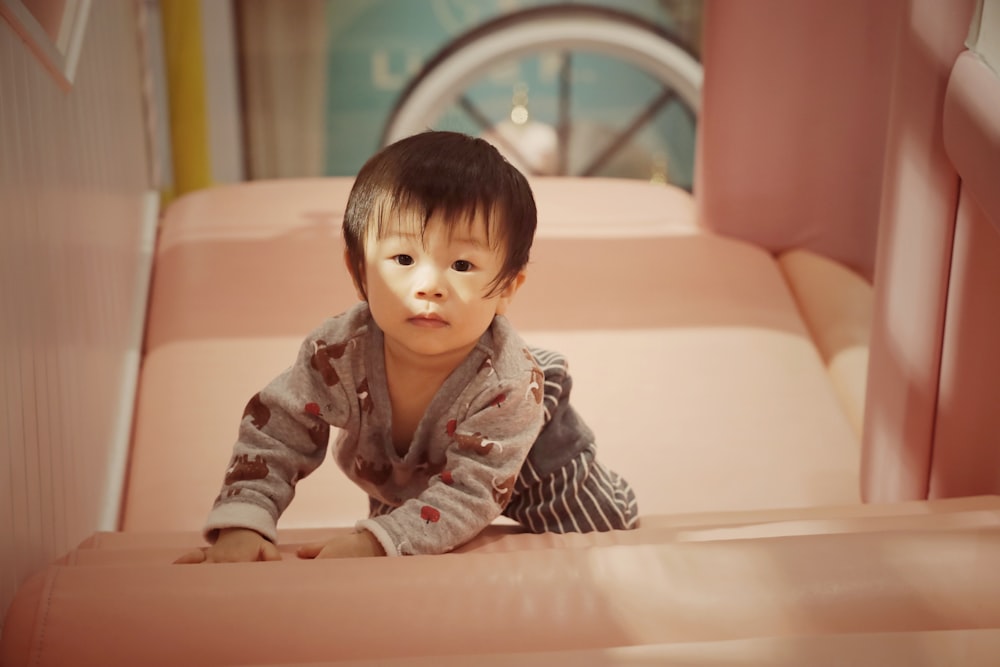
x=182, y=44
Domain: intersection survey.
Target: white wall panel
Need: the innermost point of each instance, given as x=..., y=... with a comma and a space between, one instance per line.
x=74, y=227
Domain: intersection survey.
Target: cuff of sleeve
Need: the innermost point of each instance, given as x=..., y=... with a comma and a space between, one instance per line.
x=380, y=533
x=240, y=515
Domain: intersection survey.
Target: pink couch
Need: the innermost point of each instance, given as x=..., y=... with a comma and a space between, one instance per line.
x=750, y=359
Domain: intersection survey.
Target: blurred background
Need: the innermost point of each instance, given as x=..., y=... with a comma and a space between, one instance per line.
x=257, y=89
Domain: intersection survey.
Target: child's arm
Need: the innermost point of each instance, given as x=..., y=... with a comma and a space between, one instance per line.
x=283, y=437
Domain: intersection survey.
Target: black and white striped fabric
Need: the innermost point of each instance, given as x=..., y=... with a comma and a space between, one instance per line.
x=562, y=487
x=581, y=497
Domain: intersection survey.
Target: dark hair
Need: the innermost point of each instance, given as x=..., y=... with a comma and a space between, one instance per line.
x=450, y=174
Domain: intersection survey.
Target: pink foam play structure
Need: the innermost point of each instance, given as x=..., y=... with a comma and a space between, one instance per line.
x=792, y=366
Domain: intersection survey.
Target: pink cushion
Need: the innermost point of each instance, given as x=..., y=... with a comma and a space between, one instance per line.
x=969, y=648
x=836, y=304
x=584, y=207
x=152, y=548
x=773, y=581
x=264, y=258
x=215, y=244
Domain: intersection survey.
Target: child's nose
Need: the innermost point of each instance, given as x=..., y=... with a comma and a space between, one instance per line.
x=429, y=284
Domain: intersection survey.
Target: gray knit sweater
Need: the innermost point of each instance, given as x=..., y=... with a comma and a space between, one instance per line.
x=461, y=467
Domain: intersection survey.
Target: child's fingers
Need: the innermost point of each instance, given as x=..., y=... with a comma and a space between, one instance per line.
x=191, y=558
x=265, y=552
x=310, y=550
x=268, y=552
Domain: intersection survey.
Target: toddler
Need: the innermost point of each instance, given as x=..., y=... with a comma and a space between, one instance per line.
x=447, y=418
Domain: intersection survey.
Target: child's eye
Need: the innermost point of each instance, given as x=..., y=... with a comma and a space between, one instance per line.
x=403, y=260
x=462, y=265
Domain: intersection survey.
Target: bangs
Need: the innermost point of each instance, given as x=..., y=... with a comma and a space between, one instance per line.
x=406, y=210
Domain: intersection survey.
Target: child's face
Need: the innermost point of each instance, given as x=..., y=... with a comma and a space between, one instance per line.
x=429, y=294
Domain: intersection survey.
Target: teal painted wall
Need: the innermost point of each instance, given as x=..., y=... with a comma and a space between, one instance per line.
x=377, y=46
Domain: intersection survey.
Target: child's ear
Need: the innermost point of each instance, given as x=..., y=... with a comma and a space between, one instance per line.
x=358, y=281
x=507, y=295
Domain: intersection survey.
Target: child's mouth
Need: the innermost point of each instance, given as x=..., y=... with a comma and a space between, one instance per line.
x=429, y=320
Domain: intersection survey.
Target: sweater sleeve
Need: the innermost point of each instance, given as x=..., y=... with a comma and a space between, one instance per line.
x=484, y=455
x=283, y=437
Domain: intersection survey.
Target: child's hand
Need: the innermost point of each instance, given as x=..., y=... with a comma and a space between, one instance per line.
x=234, y=545
x=355, y=545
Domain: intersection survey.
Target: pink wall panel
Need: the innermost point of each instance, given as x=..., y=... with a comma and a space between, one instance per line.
x=966, y=454
x=793, y=123
x=920, y=190
x=73, y=200
x=966, y=459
